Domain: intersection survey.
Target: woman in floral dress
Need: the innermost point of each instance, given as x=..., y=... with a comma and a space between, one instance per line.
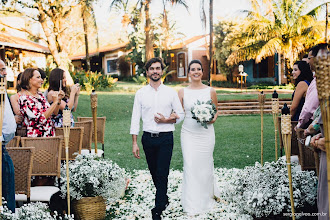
x=36, y=111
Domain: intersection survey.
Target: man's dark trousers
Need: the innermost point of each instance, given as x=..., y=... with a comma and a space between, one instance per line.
x=158, y=150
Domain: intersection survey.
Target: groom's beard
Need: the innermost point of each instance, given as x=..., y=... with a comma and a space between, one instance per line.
x=155, y=80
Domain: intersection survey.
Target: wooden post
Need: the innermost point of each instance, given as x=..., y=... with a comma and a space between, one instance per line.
x=94, y=112
x=286, y=136
x=2, y=110
x=66, y=129
x=261, y=99
x=322, y=74
x=275, y=110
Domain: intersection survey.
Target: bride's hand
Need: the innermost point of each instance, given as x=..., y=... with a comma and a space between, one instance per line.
x=214, y=119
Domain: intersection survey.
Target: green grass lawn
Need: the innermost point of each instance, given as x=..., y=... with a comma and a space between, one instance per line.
x=237, y=137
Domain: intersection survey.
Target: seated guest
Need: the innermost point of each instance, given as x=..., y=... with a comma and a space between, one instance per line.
x=311, y=100
x=36, y=111
x=8, y=132
x=56, y=77
x=302, y=75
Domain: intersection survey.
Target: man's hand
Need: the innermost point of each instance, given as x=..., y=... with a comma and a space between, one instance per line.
x=136, y=151
x=174, y=115
x=159, y=118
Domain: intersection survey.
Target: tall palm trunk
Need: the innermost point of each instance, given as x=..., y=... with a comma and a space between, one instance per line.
x=149, y=46
x=84, y=20
x=211, y=42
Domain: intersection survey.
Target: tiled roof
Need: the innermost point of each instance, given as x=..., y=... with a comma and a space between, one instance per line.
x=20, y=43
x=186, y=42
x=105, y=49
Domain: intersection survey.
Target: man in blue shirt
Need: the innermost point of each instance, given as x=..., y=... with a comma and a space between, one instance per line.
x=8, y=132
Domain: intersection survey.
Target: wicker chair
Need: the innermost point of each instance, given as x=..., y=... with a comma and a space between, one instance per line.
x=100, y=129
x=306, y=154
x=21, y=131
x=14, y=142
x=47, y=162
x=22, y=160
x=87, y=138
x=294, y=140
x=75, y=141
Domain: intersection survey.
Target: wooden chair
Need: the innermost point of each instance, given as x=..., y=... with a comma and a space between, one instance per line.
x=14, y=142
x=87, y=138
x=23, y=161
x=100, y=129
x=306, y=154
x=46, y=162
x=75, y=141
x=294, y=140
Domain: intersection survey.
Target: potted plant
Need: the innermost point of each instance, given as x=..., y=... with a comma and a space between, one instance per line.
x=93, y=182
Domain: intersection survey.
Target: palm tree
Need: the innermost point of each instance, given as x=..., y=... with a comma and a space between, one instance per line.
x=87, y=12
x=203, y=19
x=282, y=27
x=149, y=50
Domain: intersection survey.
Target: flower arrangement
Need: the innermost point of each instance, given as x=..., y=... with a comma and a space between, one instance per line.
x=35, y=211
x=91, y=176
x=203, y=112
x=255, y=191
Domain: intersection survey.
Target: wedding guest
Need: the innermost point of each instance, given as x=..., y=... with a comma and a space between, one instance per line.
x=318, y=142
x=302, y=75
x=14, y=101
x=311, y=100
x=155, y=103
x=56, y=77
x=8, y=132
x=36, y=111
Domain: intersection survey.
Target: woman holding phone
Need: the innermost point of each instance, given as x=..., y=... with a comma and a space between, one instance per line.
x=57, y=82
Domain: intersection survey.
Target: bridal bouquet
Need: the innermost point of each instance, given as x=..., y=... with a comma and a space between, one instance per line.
x=203, y=112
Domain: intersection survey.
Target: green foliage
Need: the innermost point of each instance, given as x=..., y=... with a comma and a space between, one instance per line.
x=223, y=47
x=289, y=86
x=93, y=80
x=224, y=84
x=140, y=79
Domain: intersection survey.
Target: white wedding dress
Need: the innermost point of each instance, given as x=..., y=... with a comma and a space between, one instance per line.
x=199, y=185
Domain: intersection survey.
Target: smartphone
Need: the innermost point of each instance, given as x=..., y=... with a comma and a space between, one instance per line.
x=308, y=140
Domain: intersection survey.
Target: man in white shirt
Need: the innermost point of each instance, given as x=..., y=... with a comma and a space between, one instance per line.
x=8, y=132
x=159, y=107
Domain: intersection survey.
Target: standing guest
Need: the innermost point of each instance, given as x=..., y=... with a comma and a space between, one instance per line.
x=302, y=75
x=36, y=111
x=156, y=104
x=14, y=98
x=199, y=185
x=57, y=76
x=311, y=100
x=8, y=132
x=318, y=142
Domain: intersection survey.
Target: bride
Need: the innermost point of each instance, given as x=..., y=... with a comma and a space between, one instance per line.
x=199, y=188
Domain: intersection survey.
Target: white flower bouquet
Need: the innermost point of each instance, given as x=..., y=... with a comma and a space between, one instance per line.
x=203, y=112
x=91, y=176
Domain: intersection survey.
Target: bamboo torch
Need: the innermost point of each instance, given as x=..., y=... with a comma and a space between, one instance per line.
x=94, y=112
x=261, y=99
x=275, y=110
x=2, y=109
x=322, y=74
x=286, y=137
x=66, y=128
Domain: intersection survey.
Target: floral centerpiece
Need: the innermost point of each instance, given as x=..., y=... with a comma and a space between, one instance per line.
x=93, y=182
x=203, y=112
x=91, y=176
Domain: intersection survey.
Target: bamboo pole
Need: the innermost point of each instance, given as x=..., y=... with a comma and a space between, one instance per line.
x=275, y=110
x=322, y=74
x=94, y=112
x=2, y=109
x=66, y=128
x=261, y=99
x=286, y=136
